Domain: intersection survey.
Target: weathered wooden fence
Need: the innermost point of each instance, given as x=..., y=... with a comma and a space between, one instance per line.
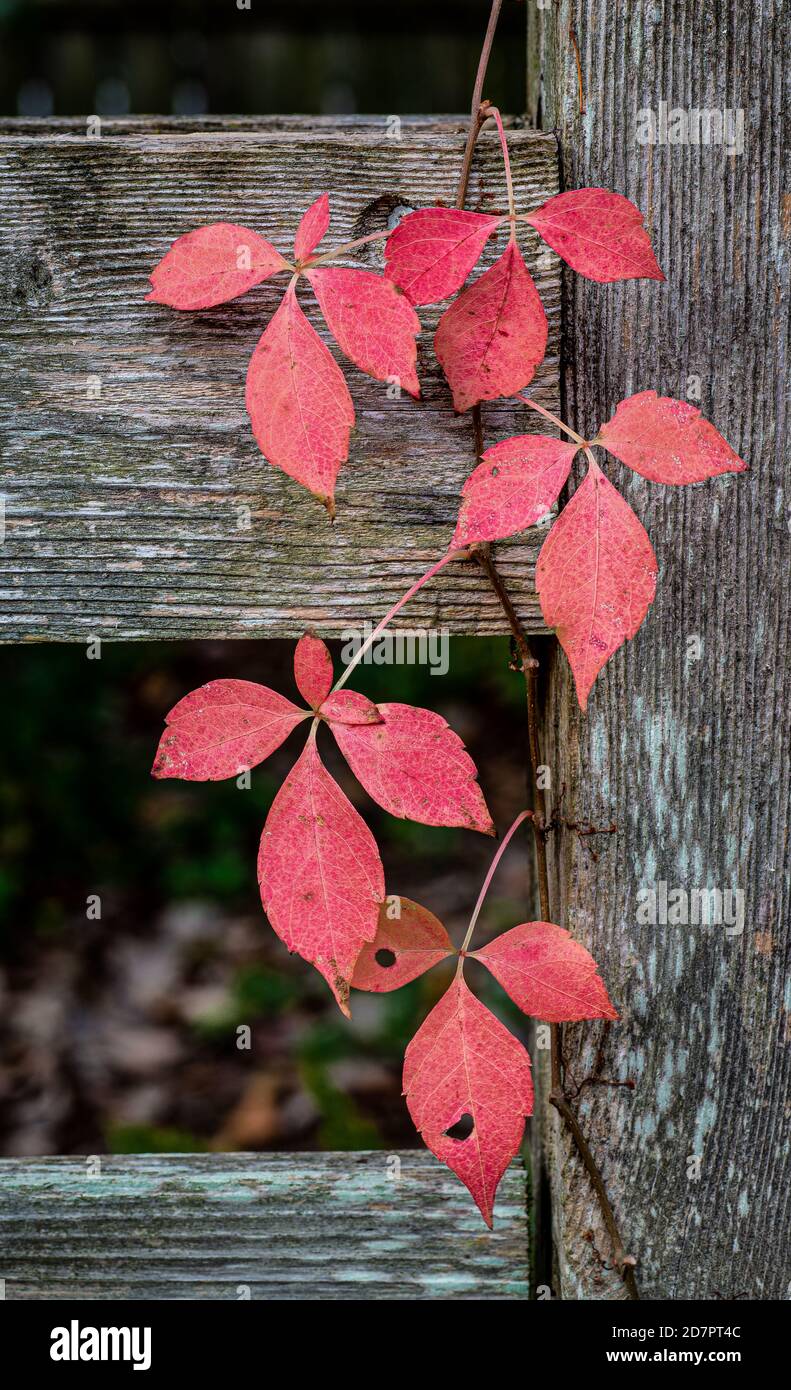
x=122, y=514
x=257, y=1226
x=691, y=757
x=137, y=503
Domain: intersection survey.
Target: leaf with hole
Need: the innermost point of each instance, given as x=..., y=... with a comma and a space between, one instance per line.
x=319, y=870
x=405, y=946
x=463, y=1062
x=547, y=973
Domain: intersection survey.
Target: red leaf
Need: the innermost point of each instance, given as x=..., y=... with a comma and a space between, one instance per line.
x=515, y=484
x=212, y=265
x=667, y=441
x=547, y=973
x=350, y=707
x=320, y=874
x=312, y=228
x=298, y=402
x=599, y=234
x=462, y=1061
x=371, y=321
x=492, y=338
x=432, y=251
x=223, y=728
x=416, y=767
x=596, y=576
x=416, y=940
x=313, y=669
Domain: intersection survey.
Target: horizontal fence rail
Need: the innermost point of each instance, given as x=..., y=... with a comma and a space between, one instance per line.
x=337, y=1226
x=136, y=501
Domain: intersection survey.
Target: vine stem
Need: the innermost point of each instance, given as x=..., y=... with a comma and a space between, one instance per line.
x=476, y=120
x=342, y=250
x=396, y=608
x=554, y=419
x=559, y=1099
x=523, y=815
x=557, y=1096
x=493, y=111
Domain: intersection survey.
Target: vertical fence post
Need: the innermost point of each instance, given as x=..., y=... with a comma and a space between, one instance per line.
x=686, y=740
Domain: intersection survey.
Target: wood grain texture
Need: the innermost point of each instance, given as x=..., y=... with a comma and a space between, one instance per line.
x=301, y=1226
x=129, y=470
x=690, y=757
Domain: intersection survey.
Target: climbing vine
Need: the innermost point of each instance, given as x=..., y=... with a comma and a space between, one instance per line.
x=467, y=1080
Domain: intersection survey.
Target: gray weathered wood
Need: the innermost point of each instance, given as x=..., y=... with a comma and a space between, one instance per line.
x=691, y=757
x=127, y=456
x=265, y=1226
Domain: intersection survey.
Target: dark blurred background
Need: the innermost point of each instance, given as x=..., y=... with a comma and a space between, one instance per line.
x=120, y=1033
x=190, y=57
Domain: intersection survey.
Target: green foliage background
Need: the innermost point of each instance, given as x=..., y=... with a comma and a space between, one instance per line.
x=80, y=816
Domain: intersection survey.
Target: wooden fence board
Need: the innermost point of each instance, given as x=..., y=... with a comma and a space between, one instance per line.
x=690, y=757
x=303, y=1226
x=127, y=456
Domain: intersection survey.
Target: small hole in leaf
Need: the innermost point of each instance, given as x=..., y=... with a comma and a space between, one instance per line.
x=462, y=1129
x=385, y=958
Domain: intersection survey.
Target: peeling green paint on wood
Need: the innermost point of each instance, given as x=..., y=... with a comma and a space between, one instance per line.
x=330, y=1226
